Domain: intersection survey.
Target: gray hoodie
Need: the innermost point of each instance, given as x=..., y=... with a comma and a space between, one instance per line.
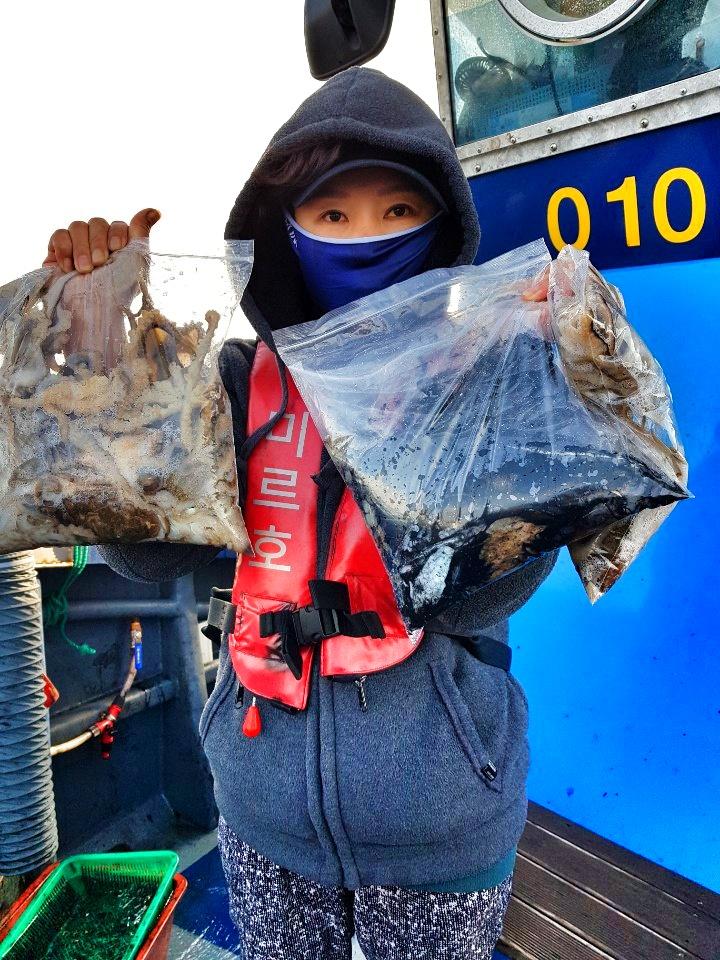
x=395, y=794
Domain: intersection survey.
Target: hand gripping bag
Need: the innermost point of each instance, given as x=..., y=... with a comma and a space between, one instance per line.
x=446, y=403
x=114, y=423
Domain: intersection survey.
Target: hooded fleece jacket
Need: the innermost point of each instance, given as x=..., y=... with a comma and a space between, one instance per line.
x=393, y=794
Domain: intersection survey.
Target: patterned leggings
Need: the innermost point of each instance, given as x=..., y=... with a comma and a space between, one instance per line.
x=282, y=915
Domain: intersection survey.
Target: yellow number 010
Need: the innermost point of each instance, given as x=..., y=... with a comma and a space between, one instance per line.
x=626, y=194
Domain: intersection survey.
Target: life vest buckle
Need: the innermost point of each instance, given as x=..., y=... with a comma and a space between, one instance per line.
x=314, y=624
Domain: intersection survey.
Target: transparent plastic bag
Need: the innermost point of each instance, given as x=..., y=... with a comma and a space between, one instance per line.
x=445, y=404
x=611, y=368
x=115, y=424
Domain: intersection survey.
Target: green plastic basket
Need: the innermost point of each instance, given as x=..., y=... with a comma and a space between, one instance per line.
x=93, y=907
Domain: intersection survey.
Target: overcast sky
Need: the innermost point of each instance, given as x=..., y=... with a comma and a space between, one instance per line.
x=108, y=108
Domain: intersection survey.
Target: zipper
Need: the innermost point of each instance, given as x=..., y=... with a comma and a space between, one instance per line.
x=360, y=684
x=331, y=489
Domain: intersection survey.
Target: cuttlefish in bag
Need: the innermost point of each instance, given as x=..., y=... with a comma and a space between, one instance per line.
x=458, y=411
x=115, y=424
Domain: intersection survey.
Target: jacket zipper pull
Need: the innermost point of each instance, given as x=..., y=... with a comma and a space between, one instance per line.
x=360, y=684
x=252, y=724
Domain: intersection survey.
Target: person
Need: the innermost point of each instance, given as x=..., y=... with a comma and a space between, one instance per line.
x=367, y=780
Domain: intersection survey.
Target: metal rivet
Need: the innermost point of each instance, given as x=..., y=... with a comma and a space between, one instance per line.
x=633, y=106
x=590, y=118
x=683, y=91
x=553, y=147
x=549, y=129
x=439, y=76
x=513, y=140
x=443, y=119
x=644, y=123
x=479, y=149
x=477, y=168
x=436, y=31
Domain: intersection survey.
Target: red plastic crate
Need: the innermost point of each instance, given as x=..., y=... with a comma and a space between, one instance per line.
x=17, y=908
x=158, y=939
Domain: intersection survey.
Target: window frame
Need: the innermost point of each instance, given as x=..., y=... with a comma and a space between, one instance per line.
x=568, y=31
x=650, y=110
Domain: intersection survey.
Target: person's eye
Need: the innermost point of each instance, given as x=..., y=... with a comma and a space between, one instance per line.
x=333, y=216
x=400, y=210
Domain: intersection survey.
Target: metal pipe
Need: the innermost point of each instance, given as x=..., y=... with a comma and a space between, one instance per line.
x=28, y=828
x=113, y=609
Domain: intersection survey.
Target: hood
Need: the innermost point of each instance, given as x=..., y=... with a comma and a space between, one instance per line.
x=377, y=117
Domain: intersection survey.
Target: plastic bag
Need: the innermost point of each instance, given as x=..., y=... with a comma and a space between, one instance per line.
x=444, y=402
x=610, y=367
x=115, y=424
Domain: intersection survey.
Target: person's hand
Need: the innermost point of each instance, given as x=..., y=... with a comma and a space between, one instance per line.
x=84, y=246
x=537, y=289
x=537, y=292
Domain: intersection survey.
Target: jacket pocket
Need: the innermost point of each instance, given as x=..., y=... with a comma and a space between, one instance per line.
x=223, y=686
x=405, y=775
x=488, y=767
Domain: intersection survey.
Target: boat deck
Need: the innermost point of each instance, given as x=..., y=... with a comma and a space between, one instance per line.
x=578, y=896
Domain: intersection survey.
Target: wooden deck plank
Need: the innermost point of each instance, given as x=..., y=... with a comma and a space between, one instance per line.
x=591, y=919
x=530, y=935
x=679, y=922
x=699, y=898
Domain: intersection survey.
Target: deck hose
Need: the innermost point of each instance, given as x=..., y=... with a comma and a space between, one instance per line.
x=28, y=828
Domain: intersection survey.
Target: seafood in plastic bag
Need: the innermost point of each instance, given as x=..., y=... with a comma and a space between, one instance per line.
x=115, y=425
x=445, y=403
x=611, y=367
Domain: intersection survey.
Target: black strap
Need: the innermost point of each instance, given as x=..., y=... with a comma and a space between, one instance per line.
x=327, y=616
x=330, y=594
x=283, y=623
x=494, y=652
x=221, y=615
x=490, y=651
x=333, y=596
x=309, y=625
x=264, y=429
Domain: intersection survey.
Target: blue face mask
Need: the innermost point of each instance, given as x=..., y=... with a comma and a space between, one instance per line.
x=339, y=271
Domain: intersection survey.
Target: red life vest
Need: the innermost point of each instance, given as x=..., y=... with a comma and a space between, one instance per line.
x=281, y=517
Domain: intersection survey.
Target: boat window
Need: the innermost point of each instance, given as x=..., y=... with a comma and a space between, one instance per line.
x=519, y=62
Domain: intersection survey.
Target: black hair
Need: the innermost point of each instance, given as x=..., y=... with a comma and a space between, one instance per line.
x=291, y=171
